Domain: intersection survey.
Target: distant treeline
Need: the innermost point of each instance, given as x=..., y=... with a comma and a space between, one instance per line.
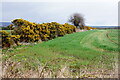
x=110, y=28
x=9, y=27
x=4, y=28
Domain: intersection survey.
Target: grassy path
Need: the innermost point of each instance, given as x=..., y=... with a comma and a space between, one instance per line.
x=82, y=54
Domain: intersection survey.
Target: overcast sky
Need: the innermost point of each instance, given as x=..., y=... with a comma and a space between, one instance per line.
x=96, y=13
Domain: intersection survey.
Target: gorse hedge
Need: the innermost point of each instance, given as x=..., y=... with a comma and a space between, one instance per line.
x=32, y=32
x=87, y=28
x=8, y=40
x=26, y=31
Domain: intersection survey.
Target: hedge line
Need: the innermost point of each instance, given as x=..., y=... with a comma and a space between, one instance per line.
x=26, y=31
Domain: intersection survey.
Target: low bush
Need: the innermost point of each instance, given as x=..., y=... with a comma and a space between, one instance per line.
x=6, y=39
x=9, y=40
x=88, y=28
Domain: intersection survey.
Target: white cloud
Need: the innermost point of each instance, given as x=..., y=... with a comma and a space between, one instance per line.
x=96, y=13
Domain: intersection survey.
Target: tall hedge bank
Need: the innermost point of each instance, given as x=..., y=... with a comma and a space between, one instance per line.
x=25, y=31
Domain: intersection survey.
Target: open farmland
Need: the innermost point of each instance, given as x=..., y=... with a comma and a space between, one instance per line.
x=82, y=54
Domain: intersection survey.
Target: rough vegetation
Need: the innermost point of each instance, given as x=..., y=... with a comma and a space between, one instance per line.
x=90, y=54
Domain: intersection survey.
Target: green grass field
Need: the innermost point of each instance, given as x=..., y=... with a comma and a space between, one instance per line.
x=79, y=53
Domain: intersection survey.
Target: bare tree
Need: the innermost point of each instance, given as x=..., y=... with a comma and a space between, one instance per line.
x=77, y=19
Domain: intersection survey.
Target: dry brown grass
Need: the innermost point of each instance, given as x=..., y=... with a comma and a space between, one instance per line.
x=14, y=70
